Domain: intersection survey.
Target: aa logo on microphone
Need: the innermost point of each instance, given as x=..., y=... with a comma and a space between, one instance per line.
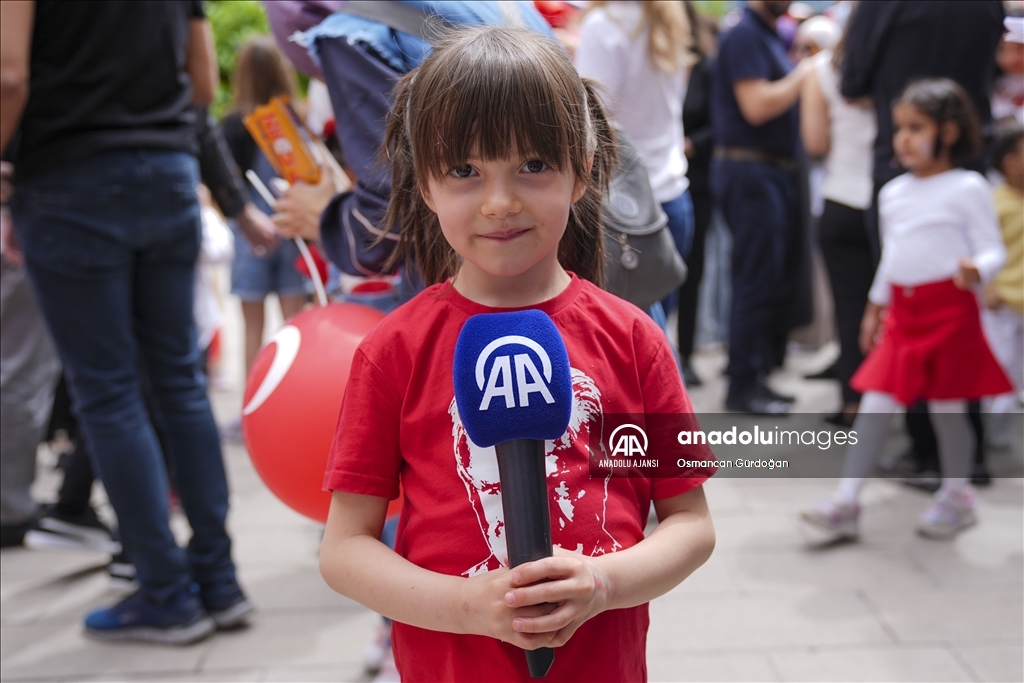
x=628, y=441
x=499, y=384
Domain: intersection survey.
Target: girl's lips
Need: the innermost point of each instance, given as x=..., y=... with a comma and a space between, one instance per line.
x=505, y=235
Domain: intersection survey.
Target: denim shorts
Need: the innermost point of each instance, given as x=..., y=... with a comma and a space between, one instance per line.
x=254, y=277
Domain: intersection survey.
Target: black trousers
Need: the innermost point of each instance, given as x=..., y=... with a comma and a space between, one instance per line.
x=759, y=202
x=703, y=205
x=847, y=251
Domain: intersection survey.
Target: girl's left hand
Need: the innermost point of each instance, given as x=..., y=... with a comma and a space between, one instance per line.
x=967, y=276
x=576, y=584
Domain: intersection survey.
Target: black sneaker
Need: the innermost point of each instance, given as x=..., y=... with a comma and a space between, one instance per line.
x=827, y=373
x=925, y=480
x=690, y=378
x=56, y=529
x=227, y=604
x=755, y=402
x=179, y=621
x=13, y=535
x=980, y=475
x=773, y=395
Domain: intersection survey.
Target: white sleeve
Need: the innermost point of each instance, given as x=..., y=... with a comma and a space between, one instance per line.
x=600, y=56
x=880, y=291
x=982, y=226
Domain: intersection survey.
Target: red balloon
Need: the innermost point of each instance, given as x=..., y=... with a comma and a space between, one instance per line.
x=293, y=398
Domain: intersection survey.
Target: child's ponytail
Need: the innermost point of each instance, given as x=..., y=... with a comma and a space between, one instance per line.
x=582, y=248
x=408, y=216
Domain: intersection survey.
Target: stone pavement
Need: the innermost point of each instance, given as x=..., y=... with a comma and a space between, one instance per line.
x=893, y=607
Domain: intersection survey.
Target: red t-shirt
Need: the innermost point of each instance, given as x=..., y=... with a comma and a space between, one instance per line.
x=399, y=422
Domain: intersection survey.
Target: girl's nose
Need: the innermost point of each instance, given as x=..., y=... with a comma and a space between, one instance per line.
x=500, y=200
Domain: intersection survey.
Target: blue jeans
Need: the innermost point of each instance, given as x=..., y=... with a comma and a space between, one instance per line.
x=657, y=314
x=759, y=203
x=681, y=225
x=110, y=244
x=254, y=277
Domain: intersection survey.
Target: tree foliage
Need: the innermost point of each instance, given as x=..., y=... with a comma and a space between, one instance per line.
x=233, y=22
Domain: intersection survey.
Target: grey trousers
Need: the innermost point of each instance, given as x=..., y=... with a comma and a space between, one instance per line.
x=29, y=369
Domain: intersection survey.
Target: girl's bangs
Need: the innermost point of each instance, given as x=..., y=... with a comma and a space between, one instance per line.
x=503, y=105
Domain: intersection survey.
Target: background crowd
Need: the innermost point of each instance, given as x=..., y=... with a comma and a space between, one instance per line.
x=765, y=131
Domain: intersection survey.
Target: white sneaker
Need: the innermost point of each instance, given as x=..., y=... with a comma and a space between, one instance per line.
x=949, y=513
x=829, y=521
x=388, y=672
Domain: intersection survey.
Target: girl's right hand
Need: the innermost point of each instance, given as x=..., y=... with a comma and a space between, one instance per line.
x=993, y=299
x=869, y=326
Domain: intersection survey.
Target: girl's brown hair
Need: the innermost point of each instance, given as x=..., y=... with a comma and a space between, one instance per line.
x=943, y=100
x=262, y=73
x=670, y=37
x=495, y=93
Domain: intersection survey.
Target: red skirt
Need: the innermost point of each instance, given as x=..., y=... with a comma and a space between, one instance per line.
x=932, y=348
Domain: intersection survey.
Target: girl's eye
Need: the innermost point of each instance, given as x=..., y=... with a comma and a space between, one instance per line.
x=535, y=166
x=462, y=171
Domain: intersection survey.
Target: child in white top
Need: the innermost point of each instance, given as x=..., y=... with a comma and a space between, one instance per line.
x=921, y=329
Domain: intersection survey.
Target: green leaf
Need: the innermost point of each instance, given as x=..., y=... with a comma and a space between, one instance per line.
x=233, y=22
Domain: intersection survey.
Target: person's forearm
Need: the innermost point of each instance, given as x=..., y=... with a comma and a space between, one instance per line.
x=366, y=570
x=680, y=544
x=201, y=62
x=814, y=123
x=761, y=100
x=217, y=168
x=13, y=97
x=16, y=20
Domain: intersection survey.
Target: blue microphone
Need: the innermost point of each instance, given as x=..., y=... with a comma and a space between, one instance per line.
x=513, y=389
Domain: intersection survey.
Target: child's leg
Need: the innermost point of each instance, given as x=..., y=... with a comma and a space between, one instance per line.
x=871, y=425
x=956, y=442
x=952, y=509
x=836, y=518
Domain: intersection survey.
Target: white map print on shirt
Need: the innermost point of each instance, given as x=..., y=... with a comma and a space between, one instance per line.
x=478, y=469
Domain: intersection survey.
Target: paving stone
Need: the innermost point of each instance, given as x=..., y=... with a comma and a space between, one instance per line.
x=995, y=661
x=925, y=664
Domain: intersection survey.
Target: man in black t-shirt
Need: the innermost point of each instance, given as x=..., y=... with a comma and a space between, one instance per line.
x=106, y=214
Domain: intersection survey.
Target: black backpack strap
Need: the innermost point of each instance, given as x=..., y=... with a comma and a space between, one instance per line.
x=400, y=17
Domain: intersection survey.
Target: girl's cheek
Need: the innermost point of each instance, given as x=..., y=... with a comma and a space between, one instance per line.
x=925, y=147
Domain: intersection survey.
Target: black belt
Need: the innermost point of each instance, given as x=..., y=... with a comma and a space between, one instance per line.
x=758, y=155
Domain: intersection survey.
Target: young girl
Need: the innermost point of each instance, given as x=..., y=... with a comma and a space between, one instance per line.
x=261, y=74
x=940, y=238
x=500, y=153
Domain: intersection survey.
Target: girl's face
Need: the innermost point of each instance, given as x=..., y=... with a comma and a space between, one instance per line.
x=505, y=218
x=914, y=136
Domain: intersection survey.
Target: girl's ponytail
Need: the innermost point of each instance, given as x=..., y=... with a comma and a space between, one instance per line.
x=582, y=247
x=408, y=216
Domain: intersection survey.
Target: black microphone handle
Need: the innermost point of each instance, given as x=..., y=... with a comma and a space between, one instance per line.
x=524, y=500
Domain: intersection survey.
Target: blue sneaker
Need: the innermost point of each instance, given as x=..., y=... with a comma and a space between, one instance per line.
x=179, y=621
x=226, y=604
